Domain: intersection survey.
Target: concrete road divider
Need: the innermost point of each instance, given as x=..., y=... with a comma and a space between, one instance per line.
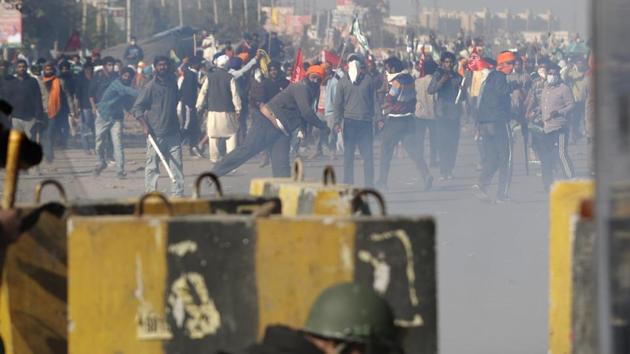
x=308, y=198
x=197, y=284
x=565, y=201
x=33, y=295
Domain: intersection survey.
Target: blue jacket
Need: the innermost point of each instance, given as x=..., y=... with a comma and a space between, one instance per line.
x=111, y=105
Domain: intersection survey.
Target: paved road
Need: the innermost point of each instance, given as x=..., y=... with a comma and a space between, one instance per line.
x=492, y=259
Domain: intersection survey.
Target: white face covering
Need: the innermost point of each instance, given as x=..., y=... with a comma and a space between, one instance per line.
x=353, y=70
x=552, y=79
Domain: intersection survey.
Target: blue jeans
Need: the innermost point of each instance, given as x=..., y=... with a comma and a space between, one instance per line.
x=113, y=127
x=171, y=148
x=87, y=128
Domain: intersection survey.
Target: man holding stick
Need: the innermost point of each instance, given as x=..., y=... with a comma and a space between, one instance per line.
x=156, y=110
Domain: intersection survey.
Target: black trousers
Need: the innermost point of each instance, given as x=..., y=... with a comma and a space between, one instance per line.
x=262, y=136
x=555, y=156
x=403, y=130
x=358, y=134
x=191, y=130
x=448, y=130
x=496, y=156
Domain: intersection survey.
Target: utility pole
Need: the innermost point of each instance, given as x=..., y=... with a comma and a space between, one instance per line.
x=106, y=14
x=245, y=13
x=129, y=13
x=231, y=5
x=215, y=10
x=181, y=15
x=258, y=10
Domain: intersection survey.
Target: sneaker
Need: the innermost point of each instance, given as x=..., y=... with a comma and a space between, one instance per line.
x=503, y=200
x=428, y=183
x=196, y=152
x=98, y=169
x=481, y=194
x=121, y=175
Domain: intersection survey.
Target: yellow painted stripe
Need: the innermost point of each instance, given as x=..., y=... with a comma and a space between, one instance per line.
x=296, y=259
x=5, y=315
x=565, y=202
x=117, y=272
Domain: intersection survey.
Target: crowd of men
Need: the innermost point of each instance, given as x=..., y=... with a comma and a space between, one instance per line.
x=229, y=104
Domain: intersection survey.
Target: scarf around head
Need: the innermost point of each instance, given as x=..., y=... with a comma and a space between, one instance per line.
x=54, y=96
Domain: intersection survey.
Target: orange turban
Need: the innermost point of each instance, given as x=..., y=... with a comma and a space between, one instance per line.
x=505, y=57
x=318, y=70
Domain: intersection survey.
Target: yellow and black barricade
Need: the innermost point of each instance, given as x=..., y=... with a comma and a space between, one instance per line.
x=197, y=284
x=33, y=293
x=307, y=198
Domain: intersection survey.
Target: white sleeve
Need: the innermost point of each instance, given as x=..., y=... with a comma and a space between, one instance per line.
x=236, y=98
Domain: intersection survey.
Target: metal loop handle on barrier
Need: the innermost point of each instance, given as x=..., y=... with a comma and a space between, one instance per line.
x=298, y=170
x=50, y=182
x=158, y=195
x=213, y=178
x=358, y=199
x=330, y=179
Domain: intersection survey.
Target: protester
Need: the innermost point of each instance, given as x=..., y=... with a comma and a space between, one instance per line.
x=493, y=118
x=133, y=53
x=156, y=110
x=556, y=105
x=354, y=107
x=58, y=109
x=223, y=102
x=109, y=121
x=399, y=124
x=23, y=93
x=273, y=125
x=189, y=90
x=425, y=112
x=447, y=86
x=82, y=96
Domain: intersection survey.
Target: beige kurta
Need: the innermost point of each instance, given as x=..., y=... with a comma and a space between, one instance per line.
x=220, y=124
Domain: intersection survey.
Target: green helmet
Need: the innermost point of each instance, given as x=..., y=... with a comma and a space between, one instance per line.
x=351, y=313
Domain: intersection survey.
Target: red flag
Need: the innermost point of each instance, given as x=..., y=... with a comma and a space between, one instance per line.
x=329, y=57
x=298, y=67
x=74, y=43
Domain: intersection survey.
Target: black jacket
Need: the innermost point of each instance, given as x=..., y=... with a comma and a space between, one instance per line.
x=25, y=97
x=282, y=340
x=494, y=100
x=447, y=94
x=157, y=102
x=296, y=105
x=82, y=91
x=190, y=88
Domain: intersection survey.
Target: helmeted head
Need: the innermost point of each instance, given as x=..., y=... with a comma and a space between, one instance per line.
x=354, y=317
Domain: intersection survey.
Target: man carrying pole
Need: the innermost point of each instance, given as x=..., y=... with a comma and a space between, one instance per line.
x=156, y=110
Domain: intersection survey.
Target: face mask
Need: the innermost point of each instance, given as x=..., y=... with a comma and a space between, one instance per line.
x=542, y=73
x=552, y=79
x=353, y=71
x=116, y=68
